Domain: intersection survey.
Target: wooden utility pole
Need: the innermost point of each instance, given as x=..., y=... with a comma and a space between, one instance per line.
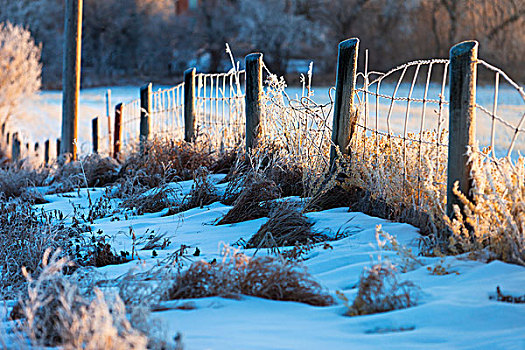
x=71, y=76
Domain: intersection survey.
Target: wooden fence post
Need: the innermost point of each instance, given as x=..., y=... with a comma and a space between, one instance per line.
x=253, y=99
x=345, y=113
x=46, y=152
x=71, y=75
x=15, y=152
x=189, y=105
x=145, y=112
x=58, y=148
x=117, y=130
x=108, y=116
x=462, y=118
x=94, y=134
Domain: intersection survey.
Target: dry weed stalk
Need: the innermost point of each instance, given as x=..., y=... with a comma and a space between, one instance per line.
x=495, y=218
x=380, y=291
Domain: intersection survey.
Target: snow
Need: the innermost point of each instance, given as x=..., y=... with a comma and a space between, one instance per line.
x=454, y=310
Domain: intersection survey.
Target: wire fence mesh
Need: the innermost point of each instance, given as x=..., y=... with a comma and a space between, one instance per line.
x=220, y=108
x=167, y=115
x=130, y=124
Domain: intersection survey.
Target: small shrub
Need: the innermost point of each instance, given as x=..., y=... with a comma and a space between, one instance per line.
x=287, y=227
x=264, y=277
x=380, y=291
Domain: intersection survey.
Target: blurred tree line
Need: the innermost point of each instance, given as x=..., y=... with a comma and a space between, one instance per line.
x=148, y=39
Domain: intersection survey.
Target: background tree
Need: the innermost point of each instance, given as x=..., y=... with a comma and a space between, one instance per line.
x=20, y=68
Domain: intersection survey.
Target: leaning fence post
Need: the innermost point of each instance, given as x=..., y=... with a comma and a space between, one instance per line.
x=15, y=152
x=462, y=118
x=253, y=99
x=117, y=130
x=145, y=112
x=189, y=105
x=94, y=134
x=46, y=152
x=345, y=113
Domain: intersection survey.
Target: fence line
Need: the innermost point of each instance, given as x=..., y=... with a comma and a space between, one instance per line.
x=398, y=123
x=402, y=113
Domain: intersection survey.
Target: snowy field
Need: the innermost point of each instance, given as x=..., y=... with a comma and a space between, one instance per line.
x=454, y=311
x=40, y=119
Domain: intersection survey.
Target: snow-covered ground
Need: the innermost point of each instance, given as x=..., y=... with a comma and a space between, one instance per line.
x=454, y=310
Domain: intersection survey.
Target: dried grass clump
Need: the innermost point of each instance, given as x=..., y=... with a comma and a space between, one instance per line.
x=90, y=171
x=253, y=201
x=24, y=236
x=164, y=161
x=202, y=192
x=494, y=219
x=59, y=311
x=150, y=201
x=380, y=178
x=380, y=291
x=17, y=182
x=263, y=277
x=287, y=226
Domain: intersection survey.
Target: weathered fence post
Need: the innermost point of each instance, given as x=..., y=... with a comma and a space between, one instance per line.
x=345, y=113
x=253, y=99
x=37, y=151
x=58, y=148
x=189, y=105
x=46, y=152
x=462, y=118
x=145, y=112
x=94, y=134
x=117, y=130
x=15, y=152
x=108, y=116
x=71, y=75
